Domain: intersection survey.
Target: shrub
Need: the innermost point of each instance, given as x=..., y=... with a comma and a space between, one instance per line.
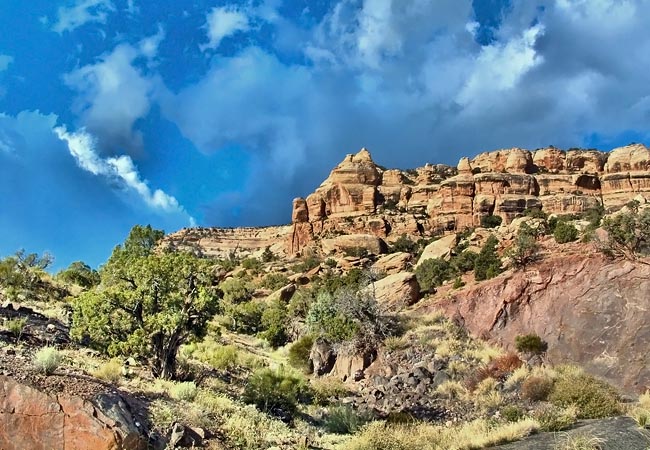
x=275, y=392
x=464, y=261
x=565, y=232
x=535, y=213
x=325, y=390
x=488, y=263
x=512, y=413
x=274, y=321
x=274, y=281
x=357, y=252
x=245, y=317
x=268, y=255
x=552, y=418
x=16, y=326
x=433, y=272
x=236, y=290
x=628, y=234
x=344, y=420
x=491, y=221
x=47, y=360
x=593, y=398
x=536, y=388
x=308, y=263
x=404, y=244
x=458, y=283
x=252, y=264
x=299, y=352
x=530, y=343
x=185, y=391
x=580, y=442
x=504, y=365
x=110, y=371
x=525, y=249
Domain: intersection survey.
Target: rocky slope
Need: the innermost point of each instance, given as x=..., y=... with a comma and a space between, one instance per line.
x=361, y=197
x=592, y=312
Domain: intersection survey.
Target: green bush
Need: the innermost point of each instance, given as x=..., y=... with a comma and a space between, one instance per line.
x=344, y=420
x=491, y=221
x=488, y=263
x=47, y=360
x=236, y=290
x=274, y=323
x=512, y=413
x=593, y=398
x=16, y=326
x=433, y=272
x=185, y=391
x=110, y=371
x=252, y=264
x=535, y=213
x=276, y=392
x=628, y=234
x=525, y=249
x=268, y=255
x=464, y=261
x=299, y=353
x=554, y=419
x=404, y=244
x=326, y=390
x=565, y=232
x=245, y=317
x=274, y=281
x=530, y=343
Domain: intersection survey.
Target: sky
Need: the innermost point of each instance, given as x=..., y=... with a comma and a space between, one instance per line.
x=218, y=113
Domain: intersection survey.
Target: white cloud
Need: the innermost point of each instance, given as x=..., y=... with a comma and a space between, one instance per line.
x=83, y=11
x=149, y=45
x=113, y=94
x=5, y=61
x=121, y=170
x=222, y=22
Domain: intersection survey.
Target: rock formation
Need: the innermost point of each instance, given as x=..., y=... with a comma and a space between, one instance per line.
x=593, y=312
x=33, y=419
x=360, y=197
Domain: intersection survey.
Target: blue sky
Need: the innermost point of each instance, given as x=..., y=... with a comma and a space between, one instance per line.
x=218, y=113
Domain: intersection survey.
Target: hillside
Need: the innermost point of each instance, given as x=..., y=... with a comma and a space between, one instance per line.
x=496, y=303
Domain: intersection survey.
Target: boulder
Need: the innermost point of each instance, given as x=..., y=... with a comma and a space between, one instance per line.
x=393, y=263
x=32, y=419
x=299, y=212
x=440, y=248
x=372, y=244
x=322, y=357
x=284, y=293
x=397, y=290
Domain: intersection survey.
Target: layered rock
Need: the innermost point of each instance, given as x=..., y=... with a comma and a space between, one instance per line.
x=593, y=312
x=33, y=419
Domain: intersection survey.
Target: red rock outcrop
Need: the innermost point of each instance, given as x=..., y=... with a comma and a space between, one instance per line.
x=593, y=312
x=32, y=419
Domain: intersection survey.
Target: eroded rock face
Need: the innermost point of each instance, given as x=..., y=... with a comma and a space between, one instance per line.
x=397, y=291
x=31, y=419
x=593, y=312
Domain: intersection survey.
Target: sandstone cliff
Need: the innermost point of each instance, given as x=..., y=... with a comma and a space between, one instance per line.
x=593, y=312
x=361, y=197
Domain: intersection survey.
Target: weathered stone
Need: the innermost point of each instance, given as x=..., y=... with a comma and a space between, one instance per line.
x=393, y=263
x=372, y=244
x=397, y=290
x=440, y=248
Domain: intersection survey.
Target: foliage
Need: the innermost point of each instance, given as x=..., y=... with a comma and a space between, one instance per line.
x=21, y=275
x=183, y=391
x=325, y=390
x=351, y=317
x=536, y=388
x=593, y=398
x=355, y=278
x=530, y=343
x=458, y=283
x=628, y=234
x=512, y=413
x=488, y=262
x=268, y=255
x=16, y=326
x=274, y=281
x=525, y=249
x=404, y=244
x=236, y=290
x=357, y=252
x=308, y=262
x=110, y=371
x=245, y=317
x=535, y=213
x=300, y=302
x=491, y=221
x=252, y=264
x=222, y=357
x=147, y=304
x=47, y=360
x=274, y=323
x=344, y=419
x=276, y=392
x=565, y=232
x=464, y=261
x=580, y=442
x=299, y=352
x=552, y=418
x=81, y=274
x=433, y=272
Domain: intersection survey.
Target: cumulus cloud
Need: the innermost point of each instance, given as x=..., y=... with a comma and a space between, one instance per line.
x=413, y=81
x=82, y=12
x=113, y=94
x=120, y=170
x=222, y=22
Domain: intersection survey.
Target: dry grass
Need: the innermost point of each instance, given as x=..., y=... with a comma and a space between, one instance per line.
x=471, y=435
x=110, y=371
x=579, y=442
